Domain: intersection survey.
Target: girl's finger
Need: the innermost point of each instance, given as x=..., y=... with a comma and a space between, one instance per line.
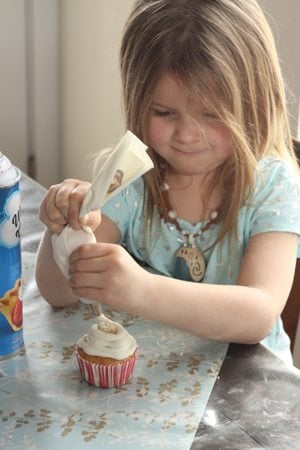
x=92, y=265
x=86, y=279
x=62, y=197
x=89, y=251
x=76, y=197
x=92, y=220
x=49, y=214
x=90, y=293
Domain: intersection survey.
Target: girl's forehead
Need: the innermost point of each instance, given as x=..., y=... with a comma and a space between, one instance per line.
x=170, y=88
x=168, y=83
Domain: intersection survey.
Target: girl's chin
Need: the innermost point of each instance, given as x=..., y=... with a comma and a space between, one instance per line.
x=191, y=169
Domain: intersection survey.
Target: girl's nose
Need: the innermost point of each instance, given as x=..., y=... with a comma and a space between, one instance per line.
x=188, y=130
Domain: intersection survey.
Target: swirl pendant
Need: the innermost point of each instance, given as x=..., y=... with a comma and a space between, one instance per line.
x=190, y=263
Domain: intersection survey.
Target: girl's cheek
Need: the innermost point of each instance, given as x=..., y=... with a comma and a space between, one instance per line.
x=227, y=140
x=154, y=131
x=222, y=136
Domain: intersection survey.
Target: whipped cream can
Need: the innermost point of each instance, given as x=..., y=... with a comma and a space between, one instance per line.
x=11, y=311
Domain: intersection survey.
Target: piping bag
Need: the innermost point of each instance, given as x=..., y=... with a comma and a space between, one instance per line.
x=115, y=170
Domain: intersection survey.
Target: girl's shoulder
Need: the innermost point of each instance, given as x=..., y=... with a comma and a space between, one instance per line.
x=272, y=164
x=129, y=197
x=125, y=206
x=131, y=192
x=276, y=179
x=135, y=191
x=272, y=170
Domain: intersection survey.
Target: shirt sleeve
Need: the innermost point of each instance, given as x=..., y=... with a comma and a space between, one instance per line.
x=276, y=199
x=124, y=207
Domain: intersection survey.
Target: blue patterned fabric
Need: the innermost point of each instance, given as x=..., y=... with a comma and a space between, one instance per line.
x=45, y=405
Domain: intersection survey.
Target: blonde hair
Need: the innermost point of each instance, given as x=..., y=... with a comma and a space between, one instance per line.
x=224, y=51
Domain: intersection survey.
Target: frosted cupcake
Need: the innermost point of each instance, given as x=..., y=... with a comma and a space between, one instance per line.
x=106, y=354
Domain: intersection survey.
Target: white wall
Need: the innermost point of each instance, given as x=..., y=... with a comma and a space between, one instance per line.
x=91, y=99
x=13, y=112
x=284, y=17
x=29, y=92
x=43, y=81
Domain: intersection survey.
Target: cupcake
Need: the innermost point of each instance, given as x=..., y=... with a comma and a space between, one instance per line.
x=106, y=354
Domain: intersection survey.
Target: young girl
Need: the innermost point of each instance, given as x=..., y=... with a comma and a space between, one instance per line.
x=211, y=232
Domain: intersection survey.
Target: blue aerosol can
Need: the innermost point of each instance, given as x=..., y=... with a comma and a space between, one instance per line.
x=11, y=311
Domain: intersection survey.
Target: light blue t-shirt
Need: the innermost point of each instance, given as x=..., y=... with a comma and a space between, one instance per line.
x=275, y=206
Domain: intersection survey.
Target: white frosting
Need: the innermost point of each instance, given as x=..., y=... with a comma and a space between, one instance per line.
x=118, y=345
x=66, y=242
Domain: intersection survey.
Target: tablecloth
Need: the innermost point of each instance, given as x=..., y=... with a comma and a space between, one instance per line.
x=44, y=404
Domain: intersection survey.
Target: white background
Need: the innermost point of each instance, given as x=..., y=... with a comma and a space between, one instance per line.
x=59, y=83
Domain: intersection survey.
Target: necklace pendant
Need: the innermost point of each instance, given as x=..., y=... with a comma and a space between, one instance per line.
x=190, y=263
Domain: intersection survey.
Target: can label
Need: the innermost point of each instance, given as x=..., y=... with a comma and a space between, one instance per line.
x=11, y=316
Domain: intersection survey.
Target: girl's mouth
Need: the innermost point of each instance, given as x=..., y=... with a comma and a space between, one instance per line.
x=187, y=152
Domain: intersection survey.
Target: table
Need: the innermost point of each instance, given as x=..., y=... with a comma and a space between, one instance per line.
x=255, y=403
x=254, y=399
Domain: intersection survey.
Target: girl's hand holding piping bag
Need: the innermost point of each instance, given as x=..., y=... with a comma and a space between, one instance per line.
x=95, y=270
x=216, y=222
x=59, y=208
x=71, y=209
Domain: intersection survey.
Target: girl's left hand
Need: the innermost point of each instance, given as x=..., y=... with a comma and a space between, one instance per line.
x=106, y=272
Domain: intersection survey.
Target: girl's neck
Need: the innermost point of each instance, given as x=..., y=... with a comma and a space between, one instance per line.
x=181, y=182
x=191, y=199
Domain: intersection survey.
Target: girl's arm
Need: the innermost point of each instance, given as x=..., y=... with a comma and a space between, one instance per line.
x=51, y=282
x=244, y=313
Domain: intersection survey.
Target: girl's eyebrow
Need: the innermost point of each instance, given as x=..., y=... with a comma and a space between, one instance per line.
x=161, y=105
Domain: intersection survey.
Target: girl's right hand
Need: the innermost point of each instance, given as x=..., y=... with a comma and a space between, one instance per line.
x=61, y=206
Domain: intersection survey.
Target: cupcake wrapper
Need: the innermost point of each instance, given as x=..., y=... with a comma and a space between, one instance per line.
x=106, y=376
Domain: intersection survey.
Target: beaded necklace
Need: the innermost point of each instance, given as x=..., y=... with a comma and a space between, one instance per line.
x=190, y=263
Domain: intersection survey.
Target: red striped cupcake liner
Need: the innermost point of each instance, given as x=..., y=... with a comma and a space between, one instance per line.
x=107, y=376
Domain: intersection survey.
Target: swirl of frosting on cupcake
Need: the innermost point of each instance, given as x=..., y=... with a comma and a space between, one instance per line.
x=107, y=339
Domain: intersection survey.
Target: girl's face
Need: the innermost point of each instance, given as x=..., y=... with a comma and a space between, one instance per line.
x=182, y=132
